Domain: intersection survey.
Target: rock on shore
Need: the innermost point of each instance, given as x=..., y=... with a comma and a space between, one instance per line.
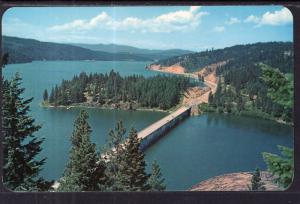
x=234, y=182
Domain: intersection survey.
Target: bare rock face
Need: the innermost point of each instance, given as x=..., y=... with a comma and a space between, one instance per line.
x=235, y=182
x=175, y=68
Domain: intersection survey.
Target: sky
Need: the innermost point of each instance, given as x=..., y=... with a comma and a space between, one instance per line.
x=194, y=28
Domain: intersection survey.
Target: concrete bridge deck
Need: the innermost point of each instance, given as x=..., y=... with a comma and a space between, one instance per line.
x=159, y=128
x=148, y=130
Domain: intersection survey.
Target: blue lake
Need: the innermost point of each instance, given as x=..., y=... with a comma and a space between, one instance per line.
x=197, y=149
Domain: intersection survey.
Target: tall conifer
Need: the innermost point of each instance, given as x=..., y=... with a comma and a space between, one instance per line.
x=114, y=155
x=155, y=181
x=133, y=176
x=45, y=95
x=85, y=171
x=21, y=167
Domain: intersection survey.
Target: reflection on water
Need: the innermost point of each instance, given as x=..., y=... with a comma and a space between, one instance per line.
x=247, y=123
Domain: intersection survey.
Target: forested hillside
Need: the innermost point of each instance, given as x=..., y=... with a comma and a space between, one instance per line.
x=275, y=54
x=112, y=90
x=22, y=50
x=242, y=88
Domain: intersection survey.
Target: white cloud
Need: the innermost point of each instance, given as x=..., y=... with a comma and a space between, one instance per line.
x=83, y=24
x=219, y=29
x=181, y=20
x=283, y=16
x=252, y=19
x=232, y=21
x=280, y=17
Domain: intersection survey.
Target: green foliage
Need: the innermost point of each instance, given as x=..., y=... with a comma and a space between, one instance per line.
x=246, y=91
x=155, y=181
x=4, y=60
x=243, y=88
x=132, y=171
x=281, y=166
x=125, y=163
x=210, y=97
x=204, y=107
x=114, y=154
x=275, y=54
x=85, y=170
x=121, y=167
x=153, y=92
x=280, y=86
x=256, y=183
x=45, y=95
x=20, y=147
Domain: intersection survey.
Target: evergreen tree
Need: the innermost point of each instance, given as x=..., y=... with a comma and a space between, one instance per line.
x=132, y=172
x=256, y=183
x=280, y=86
x=20, y=147
x=114, y=155
x=56, y=95
x=4, y=60
x=281, y=166
x=112, y=89
x=85, y=171
x=51, y=97
x=210, y=97
x=45, y=95
x=155, y=181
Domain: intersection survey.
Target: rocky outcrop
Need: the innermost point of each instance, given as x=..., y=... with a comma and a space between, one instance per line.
x=235, y=182
x=175, y=69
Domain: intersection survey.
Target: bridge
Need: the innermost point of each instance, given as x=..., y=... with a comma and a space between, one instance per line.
x=155, y=131
x=152, y=133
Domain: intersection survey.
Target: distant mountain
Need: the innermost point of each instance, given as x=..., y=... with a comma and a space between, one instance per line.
x=23, y=50
x=275, y=54
x=153, y=54
x=26, y=50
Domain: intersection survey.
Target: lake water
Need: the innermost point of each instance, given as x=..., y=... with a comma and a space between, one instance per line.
x=197, y=149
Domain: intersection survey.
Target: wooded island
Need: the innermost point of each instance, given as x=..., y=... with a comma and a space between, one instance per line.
x=114, y=91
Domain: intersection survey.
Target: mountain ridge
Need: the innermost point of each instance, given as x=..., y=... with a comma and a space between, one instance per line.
x=23, y=50
x=117, y=48
x=275, y=53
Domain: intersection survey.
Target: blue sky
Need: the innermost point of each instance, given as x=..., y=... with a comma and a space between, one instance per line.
x=156, y=27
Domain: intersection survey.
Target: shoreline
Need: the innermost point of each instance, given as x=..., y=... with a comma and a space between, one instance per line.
x=193, y=75
x=76, y=106
x=249, y=115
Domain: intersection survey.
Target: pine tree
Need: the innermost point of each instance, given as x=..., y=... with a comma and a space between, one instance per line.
x=282, y=166
x=155, y=181
x=56, y=96
x=210, y=98
x=4, y=60
x=114, y=155
x=133, y=176
x=45, y=95
x=85, y=171
x=21, y=168
x=256, y=183
x=51, y=97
